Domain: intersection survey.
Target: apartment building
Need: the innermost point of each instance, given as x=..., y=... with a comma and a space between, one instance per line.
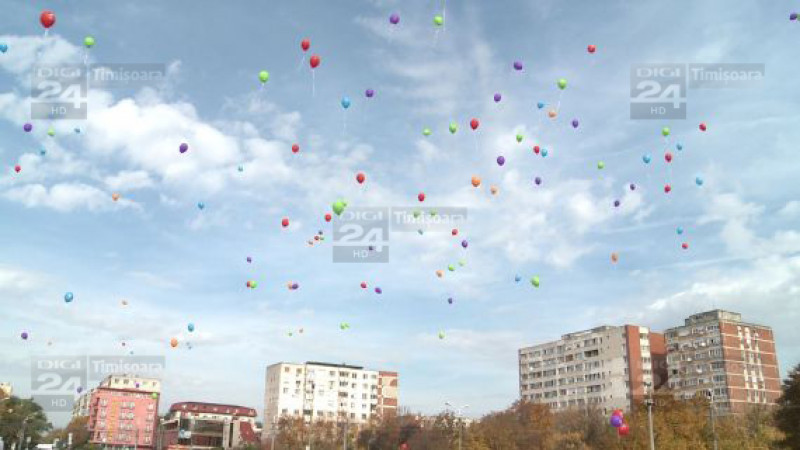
x=207, y=426
x=718, y=353
x=327, y=392
x=608, y=367
x=123, y=412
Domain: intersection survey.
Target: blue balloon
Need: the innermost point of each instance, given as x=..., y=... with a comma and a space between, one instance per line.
x=190, y=327
x=201, y=205
x=679, y=230
x=345, y=102
x=68, y=297
x=679, y=146
x=517, y=278
x=616, y=421
x=42, y=152
x=540, y=105
x=699, y=180
x=241, y=168
x=544, y=152
x=647, y=159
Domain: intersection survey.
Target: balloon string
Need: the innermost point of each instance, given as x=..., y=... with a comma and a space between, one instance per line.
x=300, y=64
x=444, y=15
x=313, y=84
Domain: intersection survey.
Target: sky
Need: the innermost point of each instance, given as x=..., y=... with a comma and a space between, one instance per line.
x=175, y=264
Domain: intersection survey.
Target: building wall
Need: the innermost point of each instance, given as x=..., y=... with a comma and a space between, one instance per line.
x=387, y=394
x=658, y=357
x=120, y=418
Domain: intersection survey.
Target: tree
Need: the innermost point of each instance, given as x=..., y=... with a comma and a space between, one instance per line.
x=787, y=417
x=22, y=419
x=79, y=430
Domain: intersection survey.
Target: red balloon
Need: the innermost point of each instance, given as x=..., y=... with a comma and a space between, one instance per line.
x=617, y=412
x=474, y=124
x=536, y=149
x=702, y=127
x=328, y=217
x=295, y=148
x=48, y=18
x=285, y=222
x=421, y=197
x=667, y=188
x=685, y=246
x=668, y=156
x=361, y=177
x=305, y=44
x=591, y=49
x=314, y=61
x=363, y=285
x=623, y=430
x=17, y=168
x=455, y=231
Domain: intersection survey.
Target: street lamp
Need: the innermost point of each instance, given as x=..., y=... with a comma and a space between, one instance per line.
x=649, y=402
x=460, y=416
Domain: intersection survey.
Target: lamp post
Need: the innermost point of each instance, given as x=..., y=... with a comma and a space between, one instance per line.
x=460, y=416
x=649, y=402
x=712, y=412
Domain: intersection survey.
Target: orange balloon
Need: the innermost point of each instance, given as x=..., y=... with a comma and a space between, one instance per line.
x=439, y=273
x=494, y=190
x=552, y=113
x=115, y=196
x=476, y=181
x=173, y=342
x=614, y=257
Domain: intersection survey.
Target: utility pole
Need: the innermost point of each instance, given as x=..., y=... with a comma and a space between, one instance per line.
x=712, y=412
x=649, y=402
x=460, y=416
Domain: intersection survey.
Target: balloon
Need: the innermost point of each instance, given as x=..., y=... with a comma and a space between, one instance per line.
x=451, y=268
x=68, y=297
x=173, y=342
x=295, y=148
x=668, y=157
x=679, y=230
x=698, y=180
x=190, y=327
x=450, y=300
x=360, y=177
x=305, y=44
x=115, y=196
x=201, y=205
x=438, y=20
x=48, y=18
x=285, y=222
x=3, y=48
x=369, y=93
x=345, y=102
x=295, y=286
x=51, y=132
x=363, y=285
x=27, y=127
x=24, y=335
x=540, y=105
x=88, y=41
x=249, y=259
x=314, y=61
x=601, y=165
x=616, y=421
x=263, y=76
x=517, y=278
x=703, y=127
x=520, y=137
x=562, y=83
x=476, y=181
x=378, y=290
x=497, y=97
x=183, y=148
x=616, y=203
x=535, y=281
x=646, y=159
x=793, y=16
x=536, y=149
x=685, y=245
x=623, y=430
x=426, y=131
x=453, y=127
x=591, y=49
x=552, y=113
x=679, y=146
x=575, y=123
x=493, y=189
x=544, y=152
x=517, y=65
x=394, y=19
x=667, y=188
x=617, y=412
x=538, y=181
x=439, y=273
x=240, y=168
x=421, y=196
x=154, y=395
x=614, y=257
x=17, y=168
x=464, y=243
x=665, y=131
x=328, y=217
x=338, y=207
x=42, y=152
x=441, y=335
x=474, y=124
x=632, y=186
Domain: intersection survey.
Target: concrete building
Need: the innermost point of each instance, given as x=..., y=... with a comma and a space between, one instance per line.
x=6, y=390
x=327, y=392
x=608, y=367
x=205, y=426
x=715, y=351
x=123, y=412
x=81, y=406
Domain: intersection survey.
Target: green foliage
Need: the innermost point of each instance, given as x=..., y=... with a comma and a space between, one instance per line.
x=788, y=415
x=20, y=417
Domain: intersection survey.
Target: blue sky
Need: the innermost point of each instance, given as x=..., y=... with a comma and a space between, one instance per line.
x=174, y=264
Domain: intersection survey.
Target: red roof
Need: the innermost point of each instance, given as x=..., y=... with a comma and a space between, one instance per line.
x=213, y=408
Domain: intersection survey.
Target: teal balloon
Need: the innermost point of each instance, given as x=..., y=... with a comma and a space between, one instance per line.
x=540, y=105
x=190, y=327
x=646, y=159
x=345, y=102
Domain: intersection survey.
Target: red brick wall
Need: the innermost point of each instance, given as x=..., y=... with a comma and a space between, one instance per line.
x=658, y=355
x=634, y=363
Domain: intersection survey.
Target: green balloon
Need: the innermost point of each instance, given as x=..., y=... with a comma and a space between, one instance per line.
x=417, y=213
x=562, y=83
x=665, y=131
x=441, y=335
x=453, y=127
x=601, y=165
x=433, y=213
x=426, y=132
x=154, y=395
x=520, y=137
x=451, y=268
x=535, y=281
x=254, y=284
x=51, y=132
x=263, y=76
x=88, y=41
x=462, y=263
x=438, y=20
x=338, y=206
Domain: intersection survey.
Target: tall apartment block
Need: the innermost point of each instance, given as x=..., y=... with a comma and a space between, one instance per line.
x=608, y=367
x=327, y=392
x=715, y=351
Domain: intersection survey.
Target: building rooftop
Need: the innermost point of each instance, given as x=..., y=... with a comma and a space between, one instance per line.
x=213, y=408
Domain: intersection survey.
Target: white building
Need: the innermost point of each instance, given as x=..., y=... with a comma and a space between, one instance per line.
x=132, y=382
x=81, y=406
x=606, y=367
x=320, y=391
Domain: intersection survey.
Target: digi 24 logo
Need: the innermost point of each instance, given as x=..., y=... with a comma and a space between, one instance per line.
x=59, y=92
x=361, y=235
x=55, y=381
x=658, y=91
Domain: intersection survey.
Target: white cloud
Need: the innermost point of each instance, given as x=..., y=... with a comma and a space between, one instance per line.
x=65, y=197
x=127, y=180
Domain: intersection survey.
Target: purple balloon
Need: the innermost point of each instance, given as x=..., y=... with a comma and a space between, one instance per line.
x=575, y=123
x=616, y=421
x=369, y=93
x=501, y=160
x=793, y=16
x=537, y=180
x=24, y=335
x=184, y=147
x=497, y=97
x=378, y=290
x=633, y=187
x=27, y=127
x=394, y=19
x=517, y=65
x=464, y=243
x=450, y=300
x=249, y=259
x=616, y=203
x=295, y=286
